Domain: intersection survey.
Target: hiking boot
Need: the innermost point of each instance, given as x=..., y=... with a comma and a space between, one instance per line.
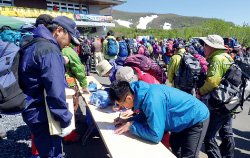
x=2, y=135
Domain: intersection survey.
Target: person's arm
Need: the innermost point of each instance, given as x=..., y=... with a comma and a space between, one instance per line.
x=76, y=67
x=155, y=127
x=52, y=76
x=173, y=68
x=214, y=75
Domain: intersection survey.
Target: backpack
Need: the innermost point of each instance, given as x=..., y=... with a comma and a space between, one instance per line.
x=123, y=49
x=188, y=73
x=143, y=50
x=112, y=47
x=146, y=77
x=85, y=48
x=158, y=49
x=12, y=98
x=131, y=43
x=11, y=36
x=147, y=65
x=234, y=88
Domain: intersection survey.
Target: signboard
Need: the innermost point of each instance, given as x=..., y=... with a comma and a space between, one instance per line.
x=94, y=17
x=31, y=12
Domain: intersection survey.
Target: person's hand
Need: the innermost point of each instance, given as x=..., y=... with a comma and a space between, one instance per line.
x=115, y=108
x=127, y=113
x=66, y=131
x=122, y=129
x=119, y=121
x=66, y=59
x=85, y=89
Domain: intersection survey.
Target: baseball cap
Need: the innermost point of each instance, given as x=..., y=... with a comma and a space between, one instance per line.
x=214, y=41
x=126, y=73
x=70, y=26
x=43, y=19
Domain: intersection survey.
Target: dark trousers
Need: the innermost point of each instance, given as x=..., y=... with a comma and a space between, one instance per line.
x=187, y=143
x=86, y=61
x=221, y=123
x=47, y=145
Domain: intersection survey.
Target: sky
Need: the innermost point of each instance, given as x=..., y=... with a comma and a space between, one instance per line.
x=236, y=11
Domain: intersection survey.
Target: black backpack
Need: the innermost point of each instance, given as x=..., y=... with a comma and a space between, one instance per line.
x=189, y=72
x=12, y=98
x=85, y=48
x=234, y=88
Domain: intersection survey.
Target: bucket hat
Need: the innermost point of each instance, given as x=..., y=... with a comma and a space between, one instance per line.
x=103, y=67
x=126, y=73
x=214, y=41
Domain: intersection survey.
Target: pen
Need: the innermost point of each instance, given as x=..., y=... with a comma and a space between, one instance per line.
x=118, y=120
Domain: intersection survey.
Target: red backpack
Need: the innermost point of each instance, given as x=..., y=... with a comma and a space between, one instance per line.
x=147, y=65
x=146, y=77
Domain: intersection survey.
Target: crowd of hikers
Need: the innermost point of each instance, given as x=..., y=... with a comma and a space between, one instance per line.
x=209, y=78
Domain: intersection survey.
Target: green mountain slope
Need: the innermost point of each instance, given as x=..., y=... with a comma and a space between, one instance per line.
x=176, y=21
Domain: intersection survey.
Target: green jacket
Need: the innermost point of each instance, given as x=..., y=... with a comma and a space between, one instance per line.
x=174, y=65
x=150, y=48
x=75, y=67
x=105, y=48
x=216, y=70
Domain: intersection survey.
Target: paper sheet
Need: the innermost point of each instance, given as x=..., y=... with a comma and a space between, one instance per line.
x=111, y=129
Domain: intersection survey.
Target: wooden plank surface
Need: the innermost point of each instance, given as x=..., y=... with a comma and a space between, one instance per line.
x=128, y=145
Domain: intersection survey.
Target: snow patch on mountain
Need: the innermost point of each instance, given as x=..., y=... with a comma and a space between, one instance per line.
x=167, y=26
x=145, y=20
x=124, y=23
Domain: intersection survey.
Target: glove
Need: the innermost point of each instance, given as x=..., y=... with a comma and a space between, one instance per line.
x=66, y=131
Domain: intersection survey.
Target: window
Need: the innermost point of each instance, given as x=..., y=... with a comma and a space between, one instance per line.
x=66, y=6
x=6, y=2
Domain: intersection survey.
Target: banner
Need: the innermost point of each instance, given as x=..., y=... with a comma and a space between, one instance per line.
x=94, y=17
x=31, y=12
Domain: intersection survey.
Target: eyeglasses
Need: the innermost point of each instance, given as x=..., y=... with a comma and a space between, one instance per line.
x=124, y=101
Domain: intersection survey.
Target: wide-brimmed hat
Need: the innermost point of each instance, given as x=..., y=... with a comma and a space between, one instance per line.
x=126, y=73
x=103, y=67
x=214, y=41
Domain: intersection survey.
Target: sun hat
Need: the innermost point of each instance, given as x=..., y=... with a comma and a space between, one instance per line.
x=214, y=41
x=70, y=26
x=103, y=67
x=126, y=73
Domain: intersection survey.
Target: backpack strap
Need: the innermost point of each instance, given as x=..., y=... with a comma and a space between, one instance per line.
x=8, y=43
x=230, y=59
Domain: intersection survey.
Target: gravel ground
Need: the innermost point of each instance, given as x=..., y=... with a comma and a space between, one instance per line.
x=17, y=144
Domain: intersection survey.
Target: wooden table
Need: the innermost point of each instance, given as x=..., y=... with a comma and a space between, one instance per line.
x=121, y=146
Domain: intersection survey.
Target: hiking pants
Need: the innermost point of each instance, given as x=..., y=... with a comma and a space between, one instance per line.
x=187, y=143
x=98, y=57
x=86, y=61
x=221, y=123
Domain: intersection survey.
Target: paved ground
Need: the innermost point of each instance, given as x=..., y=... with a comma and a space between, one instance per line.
x=17, y=143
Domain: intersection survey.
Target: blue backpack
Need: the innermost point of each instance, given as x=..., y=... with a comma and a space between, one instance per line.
x=123, y=49
x=12, y=98
x=11, y=36
x=16, y=37
x=112, y=47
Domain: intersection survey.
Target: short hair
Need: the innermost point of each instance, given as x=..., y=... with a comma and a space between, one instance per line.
x=110, y=33
x=118, y=38
x=5, y=27
x=119, y=89
x=52, y=27
x=247, y=48
x=44, y=19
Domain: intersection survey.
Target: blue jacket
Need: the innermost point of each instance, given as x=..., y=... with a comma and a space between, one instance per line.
x=163, y=108
x=114, y=69
x=42, y=67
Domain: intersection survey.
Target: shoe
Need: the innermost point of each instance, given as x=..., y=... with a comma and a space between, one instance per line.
x=2, y=135
x=71, y=138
